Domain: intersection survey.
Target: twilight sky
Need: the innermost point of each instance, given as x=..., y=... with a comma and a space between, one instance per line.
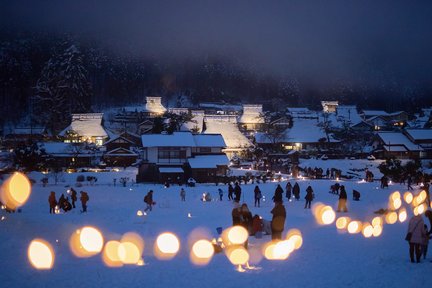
x=340, y=39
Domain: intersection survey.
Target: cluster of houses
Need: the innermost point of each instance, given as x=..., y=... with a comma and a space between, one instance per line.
x=216, y=133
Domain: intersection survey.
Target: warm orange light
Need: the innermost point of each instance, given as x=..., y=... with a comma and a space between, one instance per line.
x=367, y=230
x=237, y=235
x=40, y=254
x=377, y=230
x=377, y=221
x=402, y=215
x=391, y=217
x=167, y=245
x=15, y=191
x=354, y=227
x=237, y=255
x=202, y=252
x=110, y=254
x=408, y=197
x=86, y=242
x=296, y=237
x=342, y=223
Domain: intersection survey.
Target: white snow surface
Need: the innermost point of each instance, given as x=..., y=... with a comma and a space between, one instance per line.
x=327, y=258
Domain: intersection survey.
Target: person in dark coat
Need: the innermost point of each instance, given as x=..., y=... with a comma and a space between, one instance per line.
x=230, y=192
x=237, y=192
x=288, y=191
x=52, y=202
x=409, y=182
x=278, y=220
x=74, y=197
x=356, y=195
x=84, y=199
x=257, y=196
x=246, y=218
x=220, y=194
x=64, y=203
x=148, y=199
x=277, y=197
x=342, y=200
x=236, y=216
x=296, y=191
x=309, y=197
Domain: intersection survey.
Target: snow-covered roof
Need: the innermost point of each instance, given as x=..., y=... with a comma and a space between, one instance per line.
x=371, y=113
x=196, y=123
x=398, y=139
x=154, y=105
x=64, y=149
x=177, y=139
x=86, y=125
x=209, y=140
x=208, y=161
x=395, y=148
x=171, y=170
x=304, y=131
x=420, y=134
x=231, y=134
x=252, y=114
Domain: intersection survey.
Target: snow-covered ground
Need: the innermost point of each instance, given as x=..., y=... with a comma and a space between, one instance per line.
x=328, y=258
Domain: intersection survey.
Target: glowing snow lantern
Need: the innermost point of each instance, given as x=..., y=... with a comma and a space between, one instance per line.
x=342, y=223
x=86, y=242
x=354, y=227
x=367, y=230
x=140, y=213
x=40, y=254
x=408, y=197
x=15, y=191
x=130, y=248
x=237, y=255
x=235, y=235
x=202, y=252
x=391, y=218
x=110, y=254
x=402, y=215
x=167, y=245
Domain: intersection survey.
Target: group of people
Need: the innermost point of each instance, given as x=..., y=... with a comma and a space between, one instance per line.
x=64, y=204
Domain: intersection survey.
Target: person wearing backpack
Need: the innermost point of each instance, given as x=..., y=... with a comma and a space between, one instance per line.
x=148, y=199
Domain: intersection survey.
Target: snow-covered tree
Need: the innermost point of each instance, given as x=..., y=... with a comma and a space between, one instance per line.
x=62, y=89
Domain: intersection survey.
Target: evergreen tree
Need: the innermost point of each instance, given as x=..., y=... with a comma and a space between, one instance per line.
x=62, y=89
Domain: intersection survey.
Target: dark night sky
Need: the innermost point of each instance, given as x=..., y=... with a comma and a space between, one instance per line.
x=319, y=39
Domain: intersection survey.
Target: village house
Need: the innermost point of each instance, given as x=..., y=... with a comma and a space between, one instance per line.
x=423, y=138
x=168, y=157
x=329, y=106
x=85, y=128
x=252, y=118
x=396, y=144
x=71, y=155
x=122, y=150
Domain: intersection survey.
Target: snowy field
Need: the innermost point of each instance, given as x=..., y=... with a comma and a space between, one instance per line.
x=328, y=258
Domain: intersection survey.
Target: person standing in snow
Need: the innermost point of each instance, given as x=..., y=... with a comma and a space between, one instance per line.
x=148, y=199
x=230, y=192
x=84, y=199
x=409, y=182
x=257, y=196
x=182, y=194
x=220, y=191
x=237, y=192
x=342, y=200
x=52, y=202
x=288, y=190
x=418, y=232
x=296, y=191
x=277, y=197
x=278, y=220
x=74, y=197
x=425, y=244
x=309, y=197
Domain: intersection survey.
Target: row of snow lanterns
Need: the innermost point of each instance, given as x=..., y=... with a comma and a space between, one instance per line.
x=325, y=215
x=89, y=241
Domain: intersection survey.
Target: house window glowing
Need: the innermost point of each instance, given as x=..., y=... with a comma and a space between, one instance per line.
x=99, y=142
